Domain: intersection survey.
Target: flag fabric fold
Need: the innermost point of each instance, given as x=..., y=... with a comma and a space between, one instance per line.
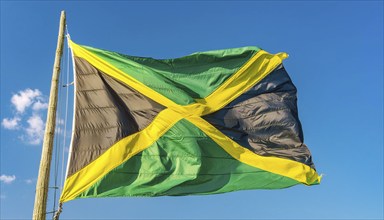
x=211, y=122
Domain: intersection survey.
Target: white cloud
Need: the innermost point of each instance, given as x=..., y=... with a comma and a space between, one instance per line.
x=25, y=98
x=2, y=196
x=59, y=121
x=27, y=119
x=11, y=123
x=29, y=181
x=59, y=130
x=59, y=126
x=7, y=179
x=39, y=105
x=35, y=130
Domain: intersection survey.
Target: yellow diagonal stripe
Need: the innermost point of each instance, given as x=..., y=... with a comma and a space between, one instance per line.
x=258, y=67
x=284, y=167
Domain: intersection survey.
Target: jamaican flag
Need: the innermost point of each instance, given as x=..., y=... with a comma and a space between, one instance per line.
x=211, y=122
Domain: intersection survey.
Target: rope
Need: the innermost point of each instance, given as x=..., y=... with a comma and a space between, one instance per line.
x=57, y=145
x=66, y=86
x=57, y=213
x=66, y=114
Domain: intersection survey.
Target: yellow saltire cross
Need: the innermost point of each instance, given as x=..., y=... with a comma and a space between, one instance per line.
x=259, y=66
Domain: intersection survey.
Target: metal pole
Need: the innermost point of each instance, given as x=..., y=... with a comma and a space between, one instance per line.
x=39, y=211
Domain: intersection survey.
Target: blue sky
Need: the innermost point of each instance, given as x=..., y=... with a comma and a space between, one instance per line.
x=336, y=62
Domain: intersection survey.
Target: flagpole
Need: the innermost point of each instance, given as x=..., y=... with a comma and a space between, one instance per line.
x=39, y=211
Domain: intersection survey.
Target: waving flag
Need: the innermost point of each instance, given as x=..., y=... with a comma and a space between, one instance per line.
x=211, y=122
